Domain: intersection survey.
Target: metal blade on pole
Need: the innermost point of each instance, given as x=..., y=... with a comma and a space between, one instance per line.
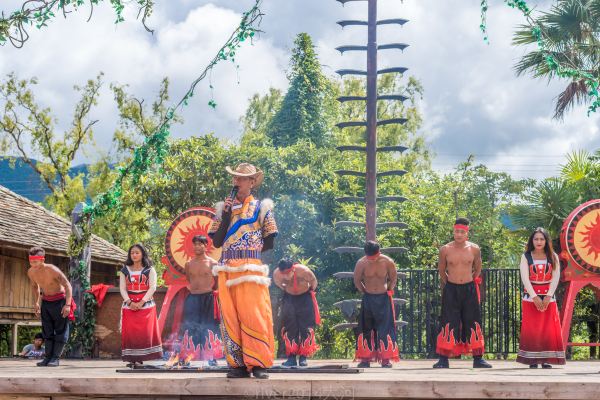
x=398, y=97
x=363, y=148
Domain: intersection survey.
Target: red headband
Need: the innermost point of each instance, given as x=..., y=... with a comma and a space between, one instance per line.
x=463, y=227
x=35, y=258
x=290, y=269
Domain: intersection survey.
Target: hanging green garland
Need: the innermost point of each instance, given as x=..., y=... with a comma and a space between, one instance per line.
x=82, y=329
x=39, y=12
x=151, y=153
x=155, y=146
x=569, y=71
x=483, y=24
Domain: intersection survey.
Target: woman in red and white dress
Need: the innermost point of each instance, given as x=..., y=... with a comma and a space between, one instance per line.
x=140, y=338
x=541, y=335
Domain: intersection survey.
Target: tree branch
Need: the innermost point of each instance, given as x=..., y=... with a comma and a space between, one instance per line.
x=14, y=27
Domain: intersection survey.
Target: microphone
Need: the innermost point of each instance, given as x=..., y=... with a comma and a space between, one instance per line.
x=233, y=193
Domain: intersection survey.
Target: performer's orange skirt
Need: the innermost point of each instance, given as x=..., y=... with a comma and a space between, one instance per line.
x=246, y=316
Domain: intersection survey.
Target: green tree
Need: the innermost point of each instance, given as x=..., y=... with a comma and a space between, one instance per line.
x=137, y=121
x=28, y=129
x=582, y=170
x=551, y=200
x=309, y=103
x=572, y=36
x=259, y=114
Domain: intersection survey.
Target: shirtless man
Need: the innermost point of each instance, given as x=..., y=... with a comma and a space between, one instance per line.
x=375, y=277
x=460, y=266
x=54, y=302
x=299, y=310
x=200, y=313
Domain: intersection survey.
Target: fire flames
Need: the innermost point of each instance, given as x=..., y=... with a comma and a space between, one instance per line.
x=185, y=351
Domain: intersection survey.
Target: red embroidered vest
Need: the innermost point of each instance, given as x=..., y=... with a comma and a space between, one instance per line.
x=540, y=275
x=138, y=282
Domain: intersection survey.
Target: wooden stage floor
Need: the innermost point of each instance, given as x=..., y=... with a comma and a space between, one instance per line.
x=20, y=379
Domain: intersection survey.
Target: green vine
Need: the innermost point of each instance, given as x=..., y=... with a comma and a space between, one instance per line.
x=39, y=12
x=151, y=153
x=82, y=329
x=569, y=71
x=155, y=146
x=483, y=24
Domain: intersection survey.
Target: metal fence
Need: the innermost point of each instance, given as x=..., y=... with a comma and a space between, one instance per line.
x=500, y=306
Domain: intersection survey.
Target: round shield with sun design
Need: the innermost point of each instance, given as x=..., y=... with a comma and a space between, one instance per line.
x=580, y=236
x=178, y=241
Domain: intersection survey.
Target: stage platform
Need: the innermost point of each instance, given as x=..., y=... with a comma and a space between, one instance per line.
x=21, y=379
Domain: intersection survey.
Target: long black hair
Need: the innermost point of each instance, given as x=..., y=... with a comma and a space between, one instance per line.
x=146, y=262
x=548, y=249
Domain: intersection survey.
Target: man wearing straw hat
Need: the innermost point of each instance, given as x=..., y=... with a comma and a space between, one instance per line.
x=244, y=227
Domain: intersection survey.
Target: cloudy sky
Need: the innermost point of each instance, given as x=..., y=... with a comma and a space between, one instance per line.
x=473, y=103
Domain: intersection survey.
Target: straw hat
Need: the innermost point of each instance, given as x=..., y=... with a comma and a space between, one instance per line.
x=247, y=170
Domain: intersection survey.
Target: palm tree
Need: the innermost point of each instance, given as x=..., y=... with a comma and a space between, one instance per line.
x=553, y=199
x=582, y=170
x=546, y=205
x=571, y=35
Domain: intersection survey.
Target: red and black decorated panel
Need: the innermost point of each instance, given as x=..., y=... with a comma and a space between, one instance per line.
x=178, y=241
x=580, y=236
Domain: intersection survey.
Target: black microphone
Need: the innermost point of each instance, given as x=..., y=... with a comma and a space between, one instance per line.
x=234, y=192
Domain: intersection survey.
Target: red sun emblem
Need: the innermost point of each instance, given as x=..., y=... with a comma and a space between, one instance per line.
x=186, y=246
x=591, y=237
x=179, y=247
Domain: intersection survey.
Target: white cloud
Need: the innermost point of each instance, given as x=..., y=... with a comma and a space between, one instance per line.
x=72, y=51
x=473, y=102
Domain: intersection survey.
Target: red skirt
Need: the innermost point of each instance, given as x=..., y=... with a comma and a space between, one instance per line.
x=541, y=336
x=140, y=339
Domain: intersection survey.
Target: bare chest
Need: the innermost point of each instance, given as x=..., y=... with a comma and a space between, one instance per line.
x=199, y=269
x=375, y=270
x=460, y=257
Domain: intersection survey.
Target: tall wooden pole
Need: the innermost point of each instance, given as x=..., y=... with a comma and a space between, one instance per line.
x=77, y=285
x=371, y=181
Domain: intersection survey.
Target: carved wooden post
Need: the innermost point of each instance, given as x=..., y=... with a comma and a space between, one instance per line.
x=79, y=287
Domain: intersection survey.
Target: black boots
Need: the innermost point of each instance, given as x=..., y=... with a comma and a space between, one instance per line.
x=43, y=363
x=56, y=353
x=240, y=372
x=260, y=373
x=290, y=362
x=364, y=364
x=48, y=349
x=479, y=362
x=544, y=365
x=442, y=363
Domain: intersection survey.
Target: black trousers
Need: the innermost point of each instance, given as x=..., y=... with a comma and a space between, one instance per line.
x=460, y=331
x=55, y=328
x=298, y=324
x=376, y=329
x=199, y=318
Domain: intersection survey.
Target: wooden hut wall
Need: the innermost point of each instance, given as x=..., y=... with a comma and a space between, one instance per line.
x=16, y=296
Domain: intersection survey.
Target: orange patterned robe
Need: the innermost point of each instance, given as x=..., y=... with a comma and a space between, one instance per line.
x=245, y=304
